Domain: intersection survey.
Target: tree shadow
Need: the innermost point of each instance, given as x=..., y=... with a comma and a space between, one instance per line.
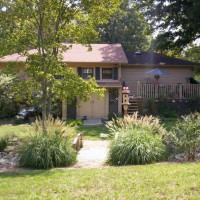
x=25, y=172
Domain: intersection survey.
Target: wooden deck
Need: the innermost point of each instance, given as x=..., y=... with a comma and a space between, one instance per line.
x=168, y=91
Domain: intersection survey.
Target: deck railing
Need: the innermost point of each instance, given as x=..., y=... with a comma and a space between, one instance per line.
x=168, y=91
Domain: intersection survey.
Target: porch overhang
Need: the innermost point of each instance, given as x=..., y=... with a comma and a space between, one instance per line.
x=110, y=85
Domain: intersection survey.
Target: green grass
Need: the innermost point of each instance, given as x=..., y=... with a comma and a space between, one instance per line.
x=16, y=130
x=92, y=132
x=158, y=181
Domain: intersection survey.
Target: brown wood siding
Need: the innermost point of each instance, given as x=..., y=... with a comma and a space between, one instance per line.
x=132, y=74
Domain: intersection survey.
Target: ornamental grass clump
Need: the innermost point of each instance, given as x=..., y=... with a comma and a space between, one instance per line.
x=136, y=146
x=45, y=151
x=118, y=125
x=138, y=140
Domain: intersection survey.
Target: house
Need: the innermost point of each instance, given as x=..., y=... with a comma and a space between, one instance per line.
x=111, y=66
x=134, y=72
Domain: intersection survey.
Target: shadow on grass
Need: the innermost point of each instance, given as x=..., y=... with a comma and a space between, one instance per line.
x=30, y=173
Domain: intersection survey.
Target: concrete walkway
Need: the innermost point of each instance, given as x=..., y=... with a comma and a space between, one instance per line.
x=93, y=154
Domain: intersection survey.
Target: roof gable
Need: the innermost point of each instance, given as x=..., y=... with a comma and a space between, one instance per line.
x=101, y=53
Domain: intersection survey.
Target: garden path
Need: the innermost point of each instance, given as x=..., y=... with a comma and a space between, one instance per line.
x=93, y=154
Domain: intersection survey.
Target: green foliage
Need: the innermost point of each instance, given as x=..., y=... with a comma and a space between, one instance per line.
x=45, y=26
x=168, y=114
x=166, y=109
x=54, y=126
x=178, y=19
x=185, y=137
x=47, y=151
x=128, y=27
x=193, y=54
x=72, y=122
x=53, y=149
x=8, y=107
x=136, y=145
x=3, y=143
x=148, y=122
x=137, y=140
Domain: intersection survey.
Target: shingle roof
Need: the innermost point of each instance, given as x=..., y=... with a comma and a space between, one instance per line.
x=150, y=58
x=103, y=53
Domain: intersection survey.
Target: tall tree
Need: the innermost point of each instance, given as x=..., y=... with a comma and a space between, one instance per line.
x=128, y=27
x=44, y=25
x=177, y=19
x=193, y=54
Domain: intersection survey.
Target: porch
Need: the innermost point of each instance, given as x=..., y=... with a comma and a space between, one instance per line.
x=168, y=91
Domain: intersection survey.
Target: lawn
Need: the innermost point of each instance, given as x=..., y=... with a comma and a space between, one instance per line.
x=17, y=130
x=91, y=133
x=157, y=181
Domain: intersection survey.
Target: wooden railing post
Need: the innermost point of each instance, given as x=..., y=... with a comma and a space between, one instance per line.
x=156, y=91
x=180, y=91
x=138, y=89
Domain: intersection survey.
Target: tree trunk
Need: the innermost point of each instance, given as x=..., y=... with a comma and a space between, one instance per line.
x=44, y=106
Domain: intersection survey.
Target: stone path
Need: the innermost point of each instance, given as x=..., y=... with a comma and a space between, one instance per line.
x=93, y=154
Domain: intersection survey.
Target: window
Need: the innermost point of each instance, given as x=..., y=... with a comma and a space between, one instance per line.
x=107, y=73
x=87, y=72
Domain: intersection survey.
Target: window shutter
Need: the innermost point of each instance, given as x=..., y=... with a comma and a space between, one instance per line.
x=79, y=70
x=115, y=77
x=97, y=74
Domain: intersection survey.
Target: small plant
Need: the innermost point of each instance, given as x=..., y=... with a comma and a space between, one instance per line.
x=3, y=143
x=185, y=137
x=136, y=145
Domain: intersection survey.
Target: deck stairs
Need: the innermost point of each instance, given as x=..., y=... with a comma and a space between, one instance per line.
x=133, y=107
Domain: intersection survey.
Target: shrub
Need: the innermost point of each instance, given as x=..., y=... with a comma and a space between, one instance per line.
x=3, y=143
x=148, y=122
x=8, y=107
x=47, y=151
x=185, y=137
x=136, y=145
x=53, y=149
x=169, y=114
